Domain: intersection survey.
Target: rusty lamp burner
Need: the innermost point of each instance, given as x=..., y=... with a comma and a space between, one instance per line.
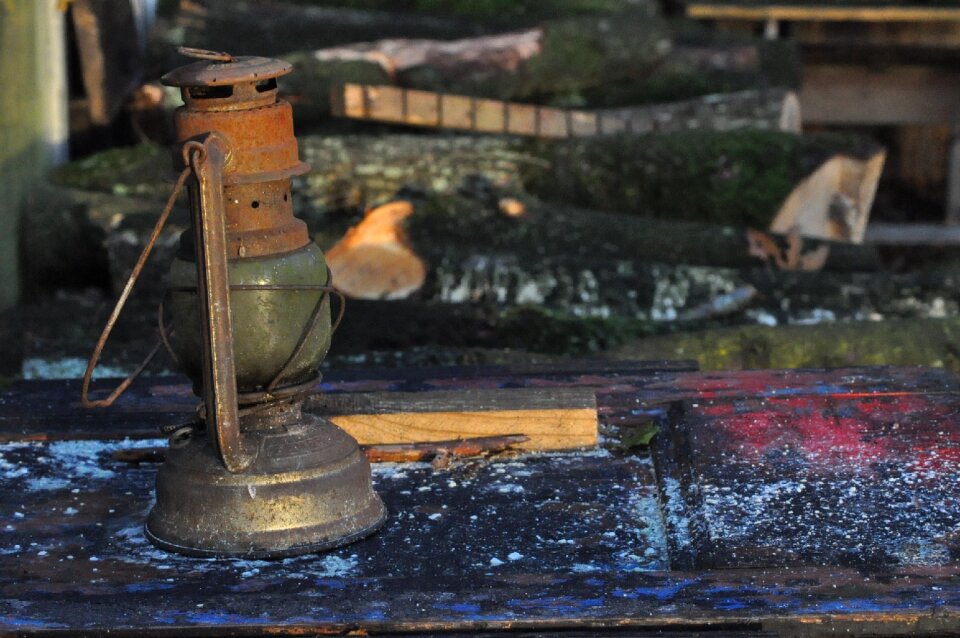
x=249, y=301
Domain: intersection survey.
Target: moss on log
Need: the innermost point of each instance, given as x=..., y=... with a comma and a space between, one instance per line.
x=141, y=171
x=733, y=178
x=928, y=342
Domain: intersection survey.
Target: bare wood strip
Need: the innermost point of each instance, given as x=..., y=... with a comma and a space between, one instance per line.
x=771, y=109
x=822, y=13
x=565, y=429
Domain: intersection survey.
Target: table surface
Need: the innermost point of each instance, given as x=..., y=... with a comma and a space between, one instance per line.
x=809, y=500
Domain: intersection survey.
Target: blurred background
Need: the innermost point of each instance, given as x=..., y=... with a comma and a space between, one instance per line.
x=747, y=184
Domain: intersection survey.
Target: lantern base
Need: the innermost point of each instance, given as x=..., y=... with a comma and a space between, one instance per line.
x=308, y=490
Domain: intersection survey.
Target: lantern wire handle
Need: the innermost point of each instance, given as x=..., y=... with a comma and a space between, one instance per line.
x=107, y=401
x=204, y=54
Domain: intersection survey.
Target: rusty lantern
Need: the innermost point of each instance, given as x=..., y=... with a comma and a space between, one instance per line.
x=250, y=322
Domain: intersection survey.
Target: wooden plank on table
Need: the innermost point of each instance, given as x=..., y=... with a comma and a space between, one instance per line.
x=896, y=95
x=550, y=418
x=820, y=13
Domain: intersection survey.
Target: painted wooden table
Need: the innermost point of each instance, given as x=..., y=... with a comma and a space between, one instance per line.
x=792, y=501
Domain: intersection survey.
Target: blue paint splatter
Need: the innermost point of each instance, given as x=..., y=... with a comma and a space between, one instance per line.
x=28, y=623
x=458, y=607
x=665, y=592
x=136, y=588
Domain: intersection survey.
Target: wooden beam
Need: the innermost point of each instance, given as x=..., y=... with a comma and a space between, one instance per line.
x=550, y=418
x=907, y=94
x=912, y=235
x=821, y=13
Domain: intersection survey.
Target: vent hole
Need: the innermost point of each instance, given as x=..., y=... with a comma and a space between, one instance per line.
x=266, y=85
x=284, y=197
x=254, y=204
x=210, y=92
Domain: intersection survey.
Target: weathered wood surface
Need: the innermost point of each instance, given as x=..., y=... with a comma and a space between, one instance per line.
x=835, y=478
x=536, y=542
x=822, y=12
x=771, y=109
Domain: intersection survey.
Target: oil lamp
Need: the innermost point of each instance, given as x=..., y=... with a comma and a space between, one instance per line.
x=250, y=322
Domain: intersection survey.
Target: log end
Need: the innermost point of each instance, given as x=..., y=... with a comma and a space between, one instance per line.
x=375, y=260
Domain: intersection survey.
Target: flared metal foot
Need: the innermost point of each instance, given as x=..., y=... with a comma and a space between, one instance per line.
x=308, y=490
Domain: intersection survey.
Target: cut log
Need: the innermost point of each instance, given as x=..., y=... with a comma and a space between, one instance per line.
x=558, y=59
x=735, y=178
x=761, y=179
x=766, y=110
x=550, y=418
x=374, y=260
x=834, y=202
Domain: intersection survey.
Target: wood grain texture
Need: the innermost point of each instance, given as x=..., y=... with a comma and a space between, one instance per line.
x=821, y=13
x=551, y=419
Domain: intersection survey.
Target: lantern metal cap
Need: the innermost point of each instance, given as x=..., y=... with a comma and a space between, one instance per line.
x=221, y=69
